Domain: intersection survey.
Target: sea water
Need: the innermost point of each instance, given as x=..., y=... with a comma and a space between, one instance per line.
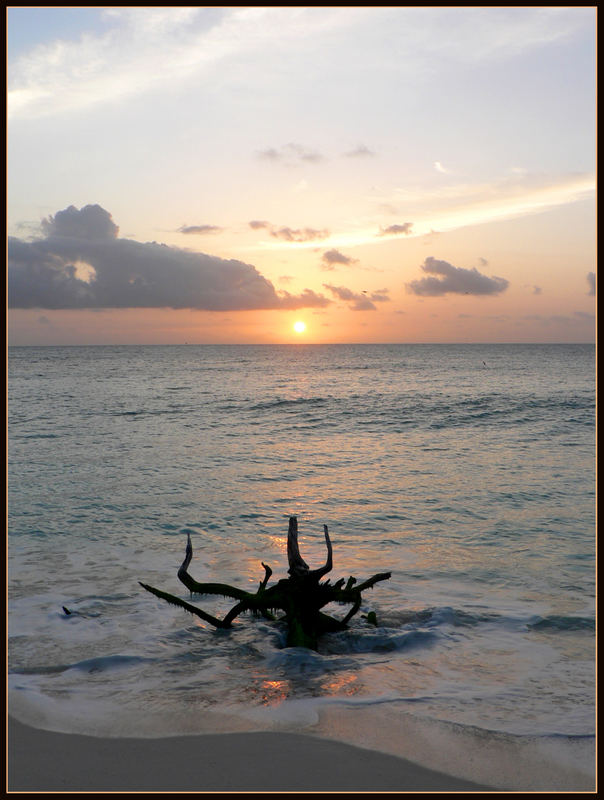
x=468, y=471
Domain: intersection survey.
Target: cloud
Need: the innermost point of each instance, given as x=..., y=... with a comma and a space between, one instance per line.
x=200, y=229
x=430, y=236
x=454, y=280
x=405, y=228
x=558, y=319
x=331, y=257
x=439, y=168
x=80, y=262
x=308, y=299
x=287, y=234
x=360, y=301
x=591, y=280
x=359, y=152
x=140, y=49
x=269, y=155
x=91, y=222
x=291, y=154
x=299, y=234
x=448, y=208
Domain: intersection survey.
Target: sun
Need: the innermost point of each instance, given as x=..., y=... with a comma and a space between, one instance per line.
x=299, y=326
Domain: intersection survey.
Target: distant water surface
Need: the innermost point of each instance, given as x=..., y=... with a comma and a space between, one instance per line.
x=466, y=470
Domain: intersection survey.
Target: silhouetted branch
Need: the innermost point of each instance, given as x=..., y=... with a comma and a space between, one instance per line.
x=300, y=597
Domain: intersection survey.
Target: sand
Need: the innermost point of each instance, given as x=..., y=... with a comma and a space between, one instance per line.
x=40, y=760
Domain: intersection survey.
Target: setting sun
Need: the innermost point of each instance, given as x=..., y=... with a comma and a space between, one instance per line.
x=299, y=326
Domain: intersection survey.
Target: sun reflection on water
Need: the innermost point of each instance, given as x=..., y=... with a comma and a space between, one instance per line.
x=274, y=692
x=341, y=684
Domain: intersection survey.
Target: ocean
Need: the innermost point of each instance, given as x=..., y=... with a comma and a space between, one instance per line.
x=468, y=471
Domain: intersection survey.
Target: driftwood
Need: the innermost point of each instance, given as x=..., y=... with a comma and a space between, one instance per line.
x=301, y=596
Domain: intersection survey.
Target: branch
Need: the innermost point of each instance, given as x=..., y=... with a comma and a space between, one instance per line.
x=244, y=605
x=223, y=589
x=297, y=565
x=267, y=573
x=176, y=601
x=352, y=594
x=381, y=576
x=318, y=573
x=192, y=585
x=353, y=610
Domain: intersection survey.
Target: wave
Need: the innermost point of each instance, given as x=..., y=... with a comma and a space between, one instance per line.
x=382, y=641
x=152, y=412
x=38, y=436
x=559, y=624
x=284, y=403
x=90, y=665
x=393, y=410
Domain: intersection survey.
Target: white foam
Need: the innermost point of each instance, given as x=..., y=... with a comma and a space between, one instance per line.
x=492, y=758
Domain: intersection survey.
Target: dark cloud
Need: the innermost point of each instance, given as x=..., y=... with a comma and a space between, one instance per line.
x=359, y=152
x=81, y=263
x=405, y=229
x=91, y=222
x=291, y=153
x=591, y=280
x=200, y=229
x=299, y=234
x=255, y=224
x=360, y=301
x=331, y=257
x=454, y=280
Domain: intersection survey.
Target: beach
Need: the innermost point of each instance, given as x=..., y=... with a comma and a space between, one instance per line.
x=40, y=760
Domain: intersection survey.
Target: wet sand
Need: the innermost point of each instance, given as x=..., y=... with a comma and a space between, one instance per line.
x=41, y=761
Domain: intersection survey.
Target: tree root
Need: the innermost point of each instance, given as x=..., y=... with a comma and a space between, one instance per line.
x=301, y=596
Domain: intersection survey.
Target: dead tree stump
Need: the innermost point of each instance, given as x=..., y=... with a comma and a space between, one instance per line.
x=300, y=597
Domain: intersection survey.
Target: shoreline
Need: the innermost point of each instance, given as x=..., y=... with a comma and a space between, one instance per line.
x=40, y=760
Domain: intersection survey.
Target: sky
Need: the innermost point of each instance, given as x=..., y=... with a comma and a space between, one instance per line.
x=380, y=174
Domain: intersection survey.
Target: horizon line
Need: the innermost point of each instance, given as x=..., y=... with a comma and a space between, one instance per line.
x=289, y=344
